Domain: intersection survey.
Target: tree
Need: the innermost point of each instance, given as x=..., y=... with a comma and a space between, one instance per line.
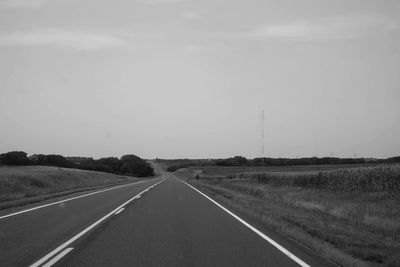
x=133, y=165
x=39, y=159
x=15, y=158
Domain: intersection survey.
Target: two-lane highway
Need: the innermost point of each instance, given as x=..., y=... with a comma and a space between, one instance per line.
x=173, y=224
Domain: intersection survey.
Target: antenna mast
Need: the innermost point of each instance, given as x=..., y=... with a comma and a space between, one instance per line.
x=262, y=138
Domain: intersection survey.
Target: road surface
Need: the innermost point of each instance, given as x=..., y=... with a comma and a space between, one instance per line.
x=170, y=224
x=27, y=236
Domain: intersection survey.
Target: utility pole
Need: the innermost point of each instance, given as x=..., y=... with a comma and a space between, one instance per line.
x=262, y=138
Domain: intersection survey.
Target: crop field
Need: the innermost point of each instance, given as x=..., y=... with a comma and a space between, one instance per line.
x=224, y=171
x=348, y=214
x=24, y=182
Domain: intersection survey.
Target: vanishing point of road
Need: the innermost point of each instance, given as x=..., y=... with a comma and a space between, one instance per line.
x=158, y=222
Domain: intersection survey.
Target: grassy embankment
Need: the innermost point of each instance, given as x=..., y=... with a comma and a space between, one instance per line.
x=348, y=215
x=26, y=184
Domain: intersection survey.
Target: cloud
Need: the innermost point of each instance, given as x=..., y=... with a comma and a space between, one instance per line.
x=190, y=15
x=77, y=40
x=342, y=27
x=160, y=2
x=21, y=3
x=191, y=48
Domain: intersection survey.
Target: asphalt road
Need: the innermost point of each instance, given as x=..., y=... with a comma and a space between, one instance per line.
x=170, y=225
x=26, y=237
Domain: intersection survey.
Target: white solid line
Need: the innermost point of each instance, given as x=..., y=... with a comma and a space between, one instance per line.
x=90, y=227
x=119, y=211
x=58, y=257
x=69, y=199
x=258, y=232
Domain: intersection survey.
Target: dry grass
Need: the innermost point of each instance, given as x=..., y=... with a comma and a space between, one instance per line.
x=30, y=181
x=351, y=227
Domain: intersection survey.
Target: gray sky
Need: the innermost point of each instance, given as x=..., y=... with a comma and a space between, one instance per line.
x=189, y=78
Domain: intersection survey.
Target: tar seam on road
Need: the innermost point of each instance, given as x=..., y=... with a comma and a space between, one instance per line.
x=258, y=232
x=69, y=199
x=119, y=211
x=83, y=232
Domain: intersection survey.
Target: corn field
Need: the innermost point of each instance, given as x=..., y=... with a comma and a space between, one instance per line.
x=382, y=178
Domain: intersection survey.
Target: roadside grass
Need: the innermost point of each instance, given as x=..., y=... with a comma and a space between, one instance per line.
x=351, y=216
x=22, y=182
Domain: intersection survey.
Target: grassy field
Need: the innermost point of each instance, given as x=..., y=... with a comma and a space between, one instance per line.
x=25, y=182
x=348, y=215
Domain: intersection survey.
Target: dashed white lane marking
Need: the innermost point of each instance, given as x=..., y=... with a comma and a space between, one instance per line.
x=83, y=232
x=258, y=232
x=58, y=257
x=69, y=199
x=119, y=211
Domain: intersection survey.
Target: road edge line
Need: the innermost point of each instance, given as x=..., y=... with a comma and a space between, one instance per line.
x=87, y=229
x=258, y=232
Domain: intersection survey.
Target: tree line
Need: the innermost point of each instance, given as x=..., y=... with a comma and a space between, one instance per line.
x=127, y=165
x=242, y=161
x=175, y=164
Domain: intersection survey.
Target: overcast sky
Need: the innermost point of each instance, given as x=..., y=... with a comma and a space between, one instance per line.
x=189, y=78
